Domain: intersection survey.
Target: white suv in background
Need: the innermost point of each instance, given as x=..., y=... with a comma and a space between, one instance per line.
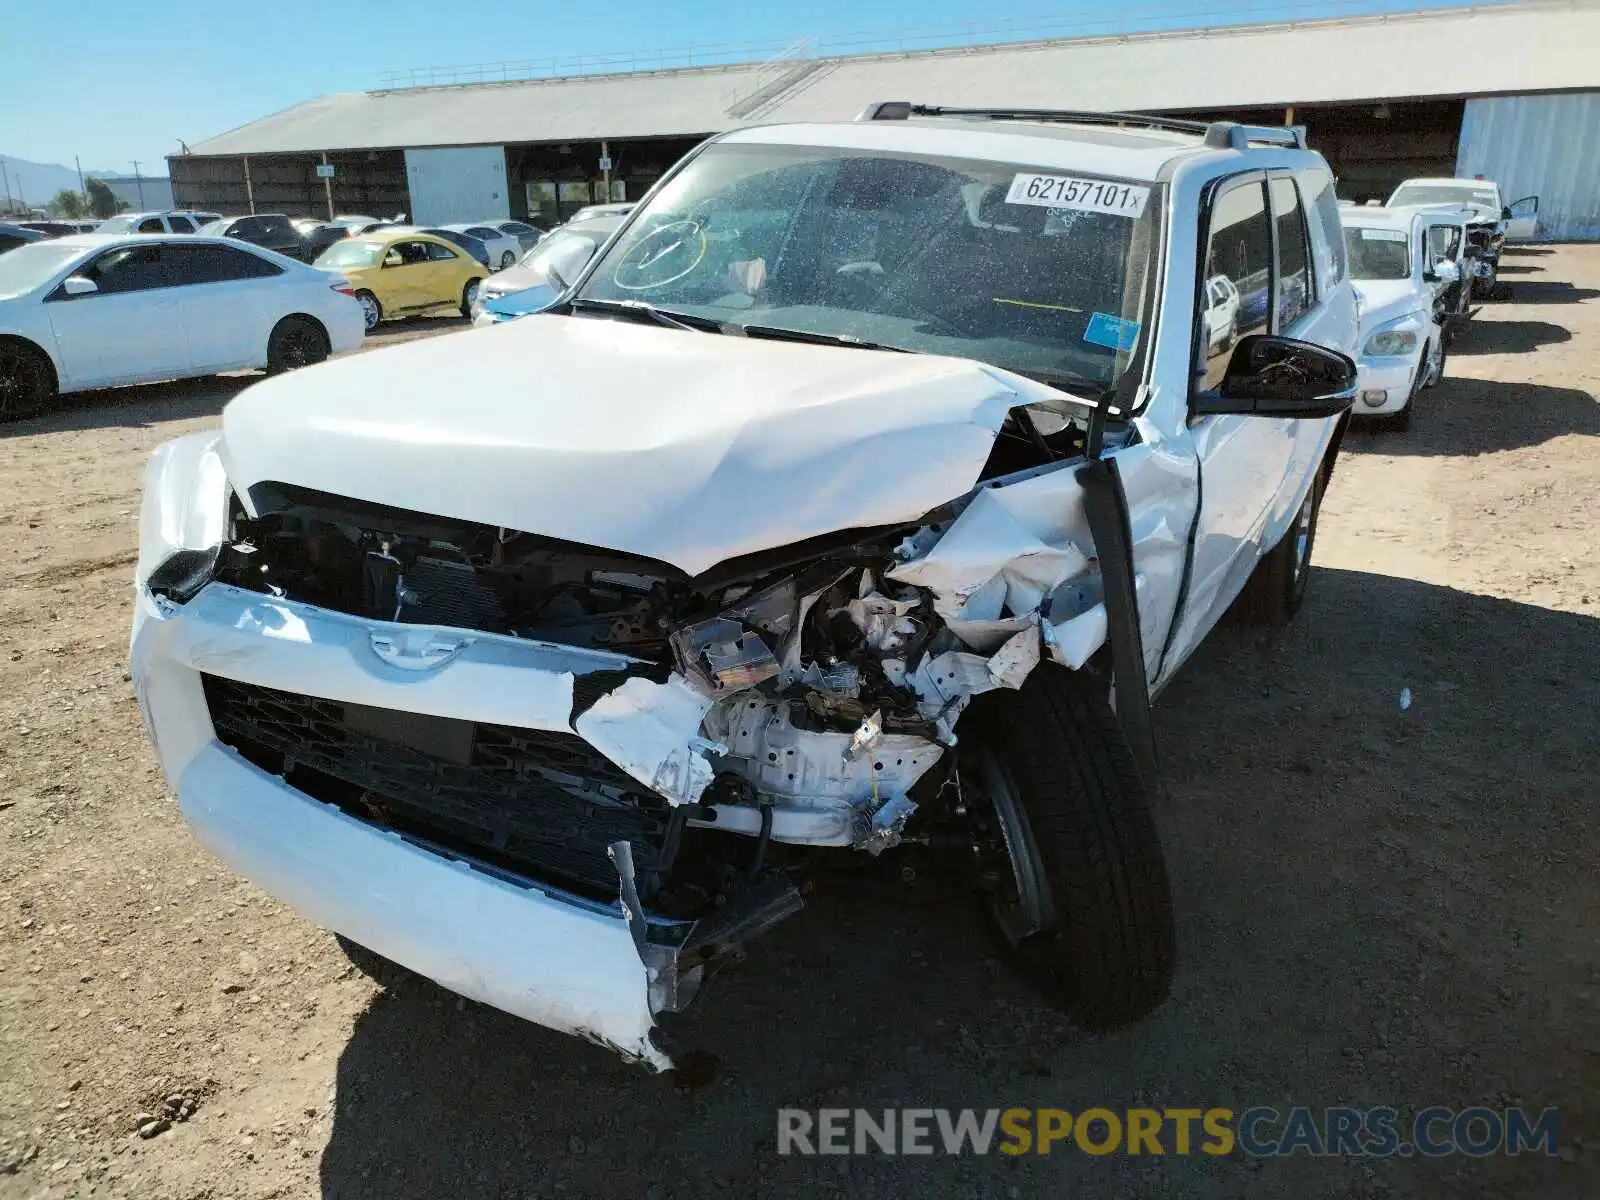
x=863, y=488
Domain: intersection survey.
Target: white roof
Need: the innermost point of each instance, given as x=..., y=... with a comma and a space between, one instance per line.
x=1119, y=153
x=1511, y=48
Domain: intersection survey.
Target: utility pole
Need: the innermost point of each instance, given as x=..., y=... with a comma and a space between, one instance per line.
x=137, y=181
x=82, y=191
x=6, y=179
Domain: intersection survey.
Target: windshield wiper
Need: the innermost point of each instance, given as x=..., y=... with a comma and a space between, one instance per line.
x=649, y=312
x=778, y=333
x=1089, y=391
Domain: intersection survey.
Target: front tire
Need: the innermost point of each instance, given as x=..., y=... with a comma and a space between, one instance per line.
x=296, y=342
x=1088, y=891
x=1277, y=588
x=27, y=380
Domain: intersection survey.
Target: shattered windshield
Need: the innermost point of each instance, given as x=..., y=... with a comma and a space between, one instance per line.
x=1040, y=272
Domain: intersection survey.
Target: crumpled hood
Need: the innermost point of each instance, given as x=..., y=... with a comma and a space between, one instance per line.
x=1385, y=300
x=681, y=446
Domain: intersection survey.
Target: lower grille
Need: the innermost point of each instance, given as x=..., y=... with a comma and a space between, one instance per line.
x=539, y=804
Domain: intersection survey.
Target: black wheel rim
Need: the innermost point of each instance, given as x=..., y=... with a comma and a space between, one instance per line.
x=1020, y=904
x=298, y=348
x=1304, y=534
x=24, y=384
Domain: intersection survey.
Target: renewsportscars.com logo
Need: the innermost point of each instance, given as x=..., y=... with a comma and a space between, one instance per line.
x=1257, y=1132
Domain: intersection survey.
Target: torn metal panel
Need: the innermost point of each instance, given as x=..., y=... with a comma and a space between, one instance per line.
x=652, y=731
x=814, y=768
x=1008, y=550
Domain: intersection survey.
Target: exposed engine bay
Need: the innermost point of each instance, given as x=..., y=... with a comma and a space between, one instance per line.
x=800, y=697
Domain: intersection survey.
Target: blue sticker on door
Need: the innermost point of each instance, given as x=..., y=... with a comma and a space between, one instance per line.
x=1111, y=332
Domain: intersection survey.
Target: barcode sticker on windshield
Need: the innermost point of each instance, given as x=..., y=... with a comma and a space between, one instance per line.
x=1369, y=234
x=1081, y=195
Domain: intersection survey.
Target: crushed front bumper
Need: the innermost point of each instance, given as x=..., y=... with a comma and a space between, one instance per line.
x=537, y=952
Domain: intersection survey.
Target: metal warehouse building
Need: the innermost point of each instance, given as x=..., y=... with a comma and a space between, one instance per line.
x=1510, y=92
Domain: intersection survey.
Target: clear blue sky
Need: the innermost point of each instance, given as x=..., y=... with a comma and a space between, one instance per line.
x=117, y=81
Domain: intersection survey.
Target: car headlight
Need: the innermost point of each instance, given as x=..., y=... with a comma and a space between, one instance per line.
x=183, y=519
x=1391, y=343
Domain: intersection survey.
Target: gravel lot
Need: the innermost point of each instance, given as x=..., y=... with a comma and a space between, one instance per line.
x=1375, y=905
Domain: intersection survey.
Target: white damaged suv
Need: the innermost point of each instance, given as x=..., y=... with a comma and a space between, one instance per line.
x=860, y=492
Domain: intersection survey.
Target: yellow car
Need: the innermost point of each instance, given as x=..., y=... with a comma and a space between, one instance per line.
x=402, y=273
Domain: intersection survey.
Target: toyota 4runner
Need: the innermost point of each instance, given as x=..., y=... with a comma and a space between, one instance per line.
x=860, y=491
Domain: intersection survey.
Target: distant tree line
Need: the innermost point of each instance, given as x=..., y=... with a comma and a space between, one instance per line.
x=101, y=202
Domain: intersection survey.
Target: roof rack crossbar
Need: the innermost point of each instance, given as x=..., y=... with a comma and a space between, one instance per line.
x=1220, y=135
x=900, y=110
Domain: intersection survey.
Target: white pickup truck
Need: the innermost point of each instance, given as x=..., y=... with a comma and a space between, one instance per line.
x=861, y=490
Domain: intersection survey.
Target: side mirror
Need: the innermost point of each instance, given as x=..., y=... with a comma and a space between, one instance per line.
x=77, y=285
x=566, y=261
x=392, y=259
x=1272, y=376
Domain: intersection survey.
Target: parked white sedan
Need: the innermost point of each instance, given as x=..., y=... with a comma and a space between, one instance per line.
x=99, y=311
x=504, y=248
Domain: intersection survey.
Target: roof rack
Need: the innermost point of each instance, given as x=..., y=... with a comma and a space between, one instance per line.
x=1219, y=135
x=1227, y=135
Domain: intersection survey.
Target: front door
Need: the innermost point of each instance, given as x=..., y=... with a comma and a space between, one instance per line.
x=1254, y=470
x=128, y=331
x=1240, y=457
x=1523, y=223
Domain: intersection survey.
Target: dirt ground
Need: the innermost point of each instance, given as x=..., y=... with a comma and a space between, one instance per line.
x=1376, y=906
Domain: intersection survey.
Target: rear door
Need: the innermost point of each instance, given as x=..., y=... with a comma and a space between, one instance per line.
x=129, y=331
x=227, y=299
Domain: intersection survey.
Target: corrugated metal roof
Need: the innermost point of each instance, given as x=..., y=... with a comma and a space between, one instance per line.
x=1503, y=49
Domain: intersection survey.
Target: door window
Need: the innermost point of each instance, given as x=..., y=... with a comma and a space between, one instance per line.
x=409, y=252
x=1444, y=243
x=128, y=269
x=440, y=253
x=181, y=224
x=194, y=264
x=482, y=234
x=1294, y=277
x=1238, y=249
x=151, y=225
x=1328, y=250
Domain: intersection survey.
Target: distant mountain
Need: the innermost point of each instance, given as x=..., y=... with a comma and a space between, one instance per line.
x=40, y=181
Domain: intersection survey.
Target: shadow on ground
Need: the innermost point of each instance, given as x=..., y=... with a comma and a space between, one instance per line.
x=1481, y=416
x=1508, y=337
x=1549, y=293
x=139, y=407
x=1290, y=768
